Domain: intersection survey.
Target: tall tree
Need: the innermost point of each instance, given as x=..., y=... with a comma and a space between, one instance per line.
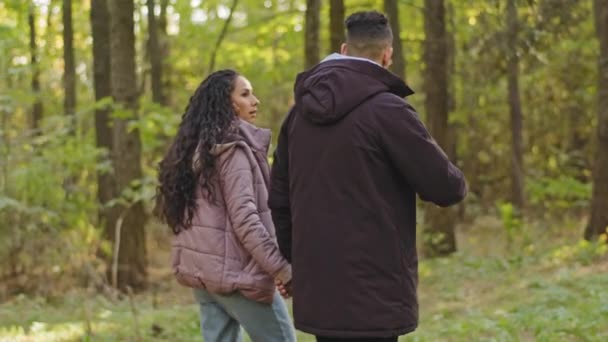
x=69, y=74
x=156, y=63
x=598, y=221
x=129, y=256
x=311, y=33
x=439, y=223
x=517, y=173
x=391, y=8
x=336, y=24
x=164, y=47
x=162, y=18
x=35, y=65
x=100, y=30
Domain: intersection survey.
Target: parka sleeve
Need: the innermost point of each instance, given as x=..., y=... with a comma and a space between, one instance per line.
x=236, y=183
x=418, y=158
x=278, y=199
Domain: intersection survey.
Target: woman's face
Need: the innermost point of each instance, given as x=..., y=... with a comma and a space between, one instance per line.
x=244, y=102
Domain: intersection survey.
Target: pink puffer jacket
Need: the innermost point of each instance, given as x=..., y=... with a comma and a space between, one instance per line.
x=231, y=245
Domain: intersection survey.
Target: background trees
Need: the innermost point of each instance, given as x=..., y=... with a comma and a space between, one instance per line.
x=477, y=67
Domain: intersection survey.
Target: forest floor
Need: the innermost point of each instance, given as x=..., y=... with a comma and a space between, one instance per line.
x=546, y=286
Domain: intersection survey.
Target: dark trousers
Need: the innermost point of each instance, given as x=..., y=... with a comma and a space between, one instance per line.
x=365, y=339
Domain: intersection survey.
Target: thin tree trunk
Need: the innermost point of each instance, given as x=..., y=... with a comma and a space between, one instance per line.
x=69, y=75
x=156, y=63
x=311, y=33
x=130, y=253
x=220, y=38
x=391, y=8
x=162, y=18
x=451, y=50
x=164, y=46
x=440, y=237
x=37, y=106
x=336, y=25
x=517, y=173
x=100, y=30
x=598, y=220
x=453, y=128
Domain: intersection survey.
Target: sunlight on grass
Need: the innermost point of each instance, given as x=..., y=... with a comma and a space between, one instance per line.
x=544, y=292
x=40, y=331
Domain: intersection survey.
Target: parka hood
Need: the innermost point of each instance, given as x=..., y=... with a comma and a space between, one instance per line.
x=329, y=91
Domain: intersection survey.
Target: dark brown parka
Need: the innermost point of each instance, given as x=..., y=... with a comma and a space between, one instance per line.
x=352, y=156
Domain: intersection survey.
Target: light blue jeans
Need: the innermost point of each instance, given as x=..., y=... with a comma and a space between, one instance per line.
x=223, y=315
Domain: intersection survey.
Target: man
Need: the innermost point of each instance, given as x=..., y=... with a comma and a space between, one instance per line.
x=351, y=157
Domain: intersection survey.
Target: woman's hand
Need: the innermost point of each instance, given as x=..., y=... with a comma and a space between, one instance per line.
x=284, y=289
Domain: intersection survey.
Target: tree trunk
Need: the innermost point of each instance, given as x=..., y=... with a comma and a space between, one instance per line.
x=311, y=32
x=156, y=63
x=391, y=8
x=164, y=48
x=37, y=106
x=517, y=173
x=100, y=31
x=129, y=244
x=598, y=221
x=69, y=74
x=336, y=25
x=162, y=18
x=439, y=237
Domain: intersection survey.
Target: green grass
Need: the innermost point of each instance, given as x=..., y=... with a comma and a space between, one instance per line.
x=528, y=293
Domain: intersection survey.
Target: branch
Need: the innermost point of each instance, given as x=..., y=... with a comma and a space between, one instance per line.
x=265, y=20
x=220, y=38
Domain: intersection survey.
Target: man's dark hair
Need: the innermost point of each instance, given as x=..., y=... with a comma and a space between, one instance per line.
x=368, y=33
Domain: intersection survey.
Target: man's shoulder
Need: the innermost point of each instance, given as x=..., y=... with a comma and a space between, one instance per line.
x=388, y=98
x=386, y=104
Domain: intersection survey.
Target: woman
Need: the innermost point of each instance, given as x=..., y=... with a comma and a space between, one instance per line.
x=213, y=194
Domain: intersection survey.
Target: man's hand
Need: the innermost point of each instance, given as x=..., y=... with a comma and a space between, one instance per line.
x=284, y=289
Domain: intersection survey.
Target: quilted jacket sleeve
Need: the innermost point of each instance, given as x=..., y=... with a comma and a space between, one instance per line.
x=237, y=186
x=278, y=199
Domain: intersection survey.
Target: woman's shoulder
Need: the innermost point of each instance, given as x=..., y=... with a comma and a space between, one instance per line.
x=236, y=156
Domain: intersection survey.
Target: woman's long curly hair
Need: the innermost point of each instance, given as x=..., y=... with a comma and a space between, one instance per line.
x=208, y=120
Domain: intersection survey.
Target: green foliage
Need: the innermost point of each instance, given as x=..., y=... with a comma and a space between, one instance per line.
x=510, y=221
x=46, y=206
x=559, y=193
x=48, y=179
x=531, y=294
x=584, y=252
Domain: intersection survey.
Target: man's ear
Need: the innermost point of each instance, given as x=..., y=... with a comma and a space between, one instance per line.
x=344, y=49
x=387, y=57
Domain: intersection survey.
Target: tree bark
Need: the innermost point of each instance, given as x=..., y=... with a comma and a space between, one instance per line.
x=598, y=220
x=130, y=253
x=311, y=33
x=106, y=188
x=155, y=55
x=517, y=173
x=162, y=18
x=164, y=46
x=69, y=74
x=439, y=237
x=336, y=25
x=391, y=8
x=37, y=106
